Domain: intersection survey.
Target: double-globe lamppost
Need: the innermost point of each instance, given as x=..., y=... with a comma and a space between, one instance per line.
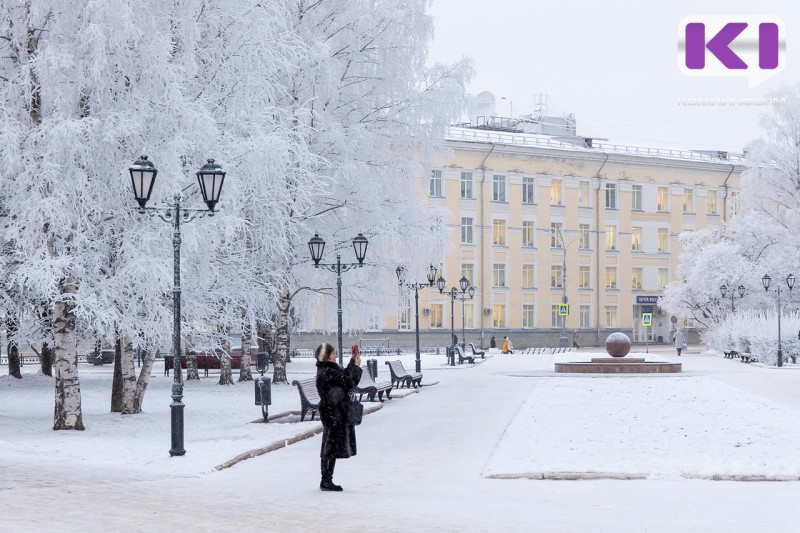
x=724, y=290
x=790, y=283
x=431, y=276
x=316, y=245
x=454, y=295
x=210, y=177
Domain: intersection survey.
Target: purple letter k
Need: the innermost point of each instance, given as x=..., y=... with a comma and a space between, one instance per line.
x=719, y=45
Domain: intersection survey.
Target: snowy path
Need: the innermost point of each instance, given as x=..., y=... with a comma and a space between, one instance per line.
x=424, y=457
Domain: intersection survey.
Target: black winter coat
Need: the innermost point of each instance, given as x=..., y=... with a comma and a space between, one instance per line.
x=334, y=385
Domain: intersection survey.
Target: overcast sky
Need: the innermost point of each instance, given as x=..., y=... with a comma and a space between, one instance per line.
x=613, y=63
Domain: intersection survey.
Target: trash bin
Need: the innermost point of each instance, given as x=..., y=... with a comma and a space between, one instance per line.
x=372, y=366
x=660, y=338
x=451, y=356
x=263, y=394
x=262, y=363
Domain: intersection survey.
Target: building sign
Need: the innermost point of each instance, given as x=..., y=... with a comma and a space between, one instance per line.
x=647, y=319
x=563, y=309
x=647, y=299
x=647, y=309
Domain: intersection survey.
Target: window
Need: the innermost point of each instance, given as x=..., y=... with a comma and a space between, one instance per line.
x=636, y=278
x=436, y=183
x=499, y=275
x=636, y=239
x=468, y=271
x=499, y=316
x=662, y=200
x=469, y=315
x=611, y=316
x=586, y=316
x=636, y=198
x=611, y=237
x=583, y=277
x=611, y=277
x=583, y=194
x=556, y=235
x=528, y=188
x=498, y=188
x=555, y=319
x=688, y=201
x=499, y=232
x=527, y=275
x=556, y=276
x=466, y=230
x=466, y=185
x=611, y=195
x=404, y=310
x=733, y=208
x=663, y=277
x=712, y=202
x=528, y=316
x=436, y=315
x=583, y=237
x=663, y=238
x=556, y=192
x=527, y=233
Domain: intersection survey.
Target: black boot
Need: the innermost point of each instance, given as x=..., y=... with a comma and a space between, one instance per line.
x=327, y=475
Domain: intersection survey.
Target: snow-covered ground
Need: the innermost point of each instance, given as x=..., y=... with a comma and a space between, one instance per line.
x=426, y=460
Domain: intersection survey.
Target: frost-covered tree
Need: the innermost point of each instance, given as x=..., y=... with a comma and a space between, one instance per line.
x=368, y=108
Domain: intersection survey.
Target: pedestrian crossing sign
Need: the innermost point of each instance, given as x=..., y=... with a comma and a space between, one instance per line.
x=563, y=309
x=647, y=319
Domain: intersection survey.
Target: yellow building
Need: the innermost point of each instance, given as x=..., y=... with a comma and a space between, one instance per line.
x=536, y=221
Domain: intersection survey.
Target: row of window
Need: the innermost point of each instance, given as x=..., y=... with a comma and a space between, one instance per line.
x=557, y=235
x=558, y=277
x=499, y=316
x=584, y=197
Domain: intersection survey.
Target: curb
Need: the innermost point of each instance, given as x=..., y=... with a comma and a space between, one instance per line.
x=587, y=476
x=277, y=445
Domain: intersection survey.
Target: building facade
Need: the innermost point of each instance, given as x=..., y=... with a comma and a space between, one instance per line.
x=536, y=222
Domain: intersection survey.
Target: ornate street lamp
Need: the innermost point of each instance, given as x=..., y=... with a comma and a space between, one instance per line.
x=210, y=178
x=766, y=280
x=316, y=246
x=724, y=290
x=431, y=276
x=454, y=295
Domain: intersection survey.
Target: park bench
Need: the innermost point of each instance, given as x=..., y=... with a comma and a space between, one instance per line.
x=367, y=385
x=401, y=377
x=462, y=357
x=732, y=354
x=476, y=351
x=309, y=397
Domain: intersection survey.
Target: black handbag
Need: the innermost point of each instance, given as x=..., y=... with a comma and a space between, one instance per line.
x=355, y=412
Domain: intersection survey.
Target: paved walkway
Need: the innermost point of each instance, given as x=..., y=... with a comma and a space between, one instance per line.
x=418, y=469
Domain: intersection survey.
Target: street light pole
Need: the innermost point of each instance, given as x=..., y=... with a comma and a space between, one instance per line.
x=454, y=294
x=563, y=341
x=724, y=290
x=210, y=177
x=431, y=276
x=790, y=283
x=316, y=245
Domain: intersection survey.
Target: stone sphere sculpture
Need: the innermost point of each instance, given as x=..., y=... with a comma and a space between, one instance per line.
x=618, y=344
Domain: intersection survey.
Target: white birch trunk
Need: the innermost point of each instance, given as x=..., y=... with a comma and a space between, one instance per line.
x=244, y=367
x=68, y=414
x=144, y=379
x=127, y=364
x=282, y=340
x=225, y=373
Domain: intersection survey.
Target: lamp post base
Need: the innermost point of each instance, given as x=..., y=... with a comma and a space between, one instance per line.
x=176, y=410
x=563, y=341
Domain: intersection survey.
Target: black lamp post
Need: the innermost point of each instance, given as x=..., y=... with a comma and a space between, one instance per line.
x=431, y=276
x=790, y=283
x=454, y=295
x=316, y=245
x=724, y=290
x=210, y=177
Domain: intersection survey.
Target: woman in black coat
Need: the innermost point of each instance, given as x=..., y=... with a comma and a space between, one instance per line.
x=334, y=385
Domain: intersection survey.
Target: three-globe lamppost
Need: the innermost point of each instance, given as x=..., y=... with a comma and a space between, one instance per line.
x=316, y=245
x=431, y=276
x=724, y=290
x=790, y=283
x=210, y=178
x=454, y=295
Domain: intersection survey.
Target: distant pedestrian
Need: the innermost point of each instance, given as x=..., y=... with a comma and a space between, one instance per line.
x=334, y=385
x=507, y=346
x=680, y=341
x=575, y=339
x=493, y=343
